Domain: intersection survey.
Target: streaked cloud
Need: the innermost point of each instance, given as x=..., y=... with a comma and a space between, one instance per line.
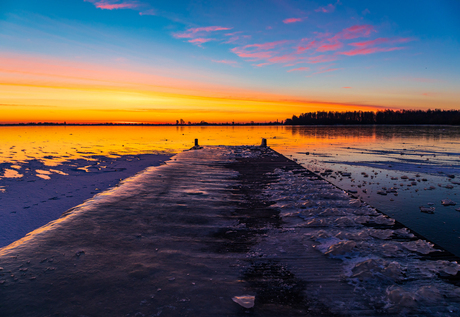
x=381, y=40
x=327, y=70
x=199, y=41
x=143, y=7
x=114, y=4
x=326, y=9
x=224, y=61
x=300, y=69
x=329, y=47
x=365, y=51
x=258, y=51
x=292, y=20
x=353, y=32
x=197, y=32
x=321, y=59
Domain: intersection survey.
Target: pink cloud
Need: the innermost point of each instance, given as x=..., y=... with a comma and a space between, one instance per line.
x=329, y=47
x=365, y=51
x=114, y=4
x=327, y=9
x=299, y=69
x=262, y=64
x=346, y=87
x=292, y=20
x=327, y=70
x=283, y=59
x=321, y=59
x=199, y=41
x=257, y=51
x=265, y=46
x=236, y=38
x=381, y=40
x=307, y=47
x=194, y=32
x=226, y=62
x=254, y=56
x=353, y=32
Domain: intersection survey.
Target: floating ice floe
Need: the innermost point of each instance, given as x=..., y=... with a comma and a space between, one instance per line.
x=427, y=210
x=448, y=202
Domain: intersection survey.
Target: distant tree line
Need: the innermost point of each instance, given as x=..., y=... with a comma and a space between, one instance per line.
x=451, y=117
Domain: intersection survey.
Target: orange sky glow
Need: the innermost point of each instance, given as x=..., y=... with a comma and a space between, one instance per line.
x=39, y=89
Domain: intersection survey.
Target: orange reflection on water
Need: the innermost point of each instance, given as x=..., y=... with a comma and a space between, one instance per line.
x=56, y=144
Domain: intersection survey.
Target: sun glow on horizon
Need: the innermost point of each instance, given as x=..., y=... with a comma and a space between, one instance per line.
x=38, y=90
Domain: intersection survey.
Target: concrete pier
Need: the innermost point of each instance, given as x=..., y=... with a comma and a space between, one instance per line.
x=217, y=223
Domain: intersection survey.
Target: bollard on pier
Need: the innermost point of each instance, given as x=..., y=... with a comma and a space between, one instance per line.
x=264, y=142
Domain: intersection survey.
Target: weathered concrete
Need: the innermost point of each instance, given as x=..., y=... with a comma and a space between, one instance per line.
x=183, y=239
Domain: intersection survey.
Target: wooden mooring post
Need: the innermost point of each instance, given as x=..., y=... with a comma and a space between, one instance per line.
x=264, y=142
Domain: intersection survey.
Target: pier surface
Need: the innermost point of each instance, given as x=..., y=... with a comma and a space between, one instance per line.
x=217, y=224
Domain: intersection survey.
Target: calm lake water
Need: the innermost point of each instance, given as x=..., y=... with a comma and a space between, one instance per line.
x=396, y=169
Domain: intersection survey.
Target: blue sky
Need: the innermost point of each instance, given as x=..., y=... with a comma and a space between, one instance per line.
x=391, y=54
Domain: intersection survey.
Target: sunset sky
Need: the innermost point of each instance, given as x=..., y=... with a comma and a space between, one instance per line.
x=221, y=61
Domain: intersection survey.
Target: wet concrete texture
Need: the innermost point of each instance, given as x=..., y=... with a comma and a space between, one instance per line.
x=184, y=238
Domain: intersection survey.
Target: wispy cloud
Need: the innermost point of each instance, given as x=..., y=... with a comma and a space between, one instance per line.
x=200, y=41
x=310, y=45
x=224, y=61
x=321, y=48
x=148, y=12
x=353, y=32
x=329, y=8
x=300, y=69
x=197, y=32
x=292, y=20
x=142, y=7
x=326, y=9
x=327, y=70
x=381, y=40
x=283, y=59
x=365, y=51
x=114, y=4
x=321, y=59
x=258, y=51
x=329, y=47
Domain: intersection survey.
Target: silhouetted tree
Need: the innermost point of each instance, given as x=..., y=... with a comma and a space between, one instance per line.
x=380, y=117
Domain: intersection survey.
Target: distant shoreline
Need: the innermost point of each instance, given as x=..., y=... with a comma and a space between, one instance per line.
x=216, y=124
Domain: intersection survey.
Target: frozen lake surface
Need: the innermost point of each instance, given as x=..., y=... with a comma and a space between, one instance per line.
x=396, y=169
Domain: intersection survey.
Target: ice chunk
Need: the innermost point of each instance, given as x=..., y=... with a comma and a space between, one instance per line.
x=344, y=222
x=377, y=268
x=404, y=233
x=420, y=246
x=247, y=301
x=382, y=220
x=318, y=223
x=400, y=298
x=448, y=202
x=381, y=234
x=427, y=210
x=341, y=248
